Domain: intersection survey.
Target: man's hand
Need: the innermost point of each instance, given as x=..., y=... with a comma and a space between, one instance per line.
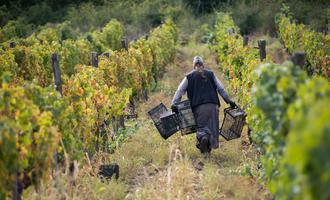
x=232, y=104
x=174, y=108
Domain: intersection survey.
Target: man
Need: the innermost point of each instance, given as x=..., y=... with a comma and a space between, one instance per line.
x=202, y=87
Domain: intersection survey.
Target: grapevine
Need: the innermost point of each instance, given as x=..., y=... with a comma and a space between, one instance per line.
x=282, y=105
x=42, y=123
x=298, y=37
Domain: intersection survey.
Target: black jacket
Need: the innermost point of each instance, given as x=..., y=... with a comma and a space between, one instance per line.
x=202, y=89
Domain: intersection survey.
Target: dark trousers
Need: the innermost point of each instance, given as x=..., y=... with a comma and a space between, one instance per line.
x=207, y=120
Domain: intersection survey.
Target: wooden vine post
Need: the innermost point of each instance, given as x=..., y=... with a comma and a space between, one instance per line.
x=298, y=58
x=262, y=49
x=117, y=123
x=124, y=44
x=12, y=44
x=58, y=86
x=95, y=63
x=245, y=40
x=95, y=60
x=18, y=188
x=57, y=72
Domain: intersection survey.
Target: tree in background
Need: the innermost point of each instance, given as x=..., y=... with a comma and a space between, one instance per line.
x=249, y=15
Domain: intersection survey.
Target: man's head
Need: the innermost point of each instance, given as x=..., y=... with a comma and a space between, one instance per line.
x=198, y=62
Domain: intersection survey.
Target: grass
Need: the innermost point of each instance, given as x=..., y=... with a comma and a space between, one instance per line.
x=166, y=169
x=154, y=168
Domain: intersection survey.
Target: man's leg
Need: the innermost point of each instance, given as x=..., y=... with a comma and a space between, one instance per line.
x=203, y=142
x=202, y=117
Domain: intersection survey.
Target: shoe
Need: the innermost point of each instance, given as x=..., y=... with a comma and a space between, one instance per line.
x=204, y=145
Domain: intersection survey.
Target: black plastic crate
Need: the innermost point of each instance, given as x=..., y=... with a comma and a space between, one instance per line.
x=165, y=121
x=233, y=122
x=186, y=118
x=157, y=112
x=169, y=123
x=162, y=131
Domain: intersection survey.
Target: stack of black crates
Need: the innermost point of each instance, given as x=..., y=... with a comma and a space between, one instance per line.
x=168, y=123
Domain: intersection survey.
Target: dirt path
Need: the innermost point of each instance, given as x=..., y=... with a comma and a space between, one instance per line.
x=153, y=168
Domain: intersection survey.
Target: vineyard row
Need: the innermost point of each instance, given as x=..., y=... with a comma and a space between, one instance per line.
x=37, y=122
x=287, y=112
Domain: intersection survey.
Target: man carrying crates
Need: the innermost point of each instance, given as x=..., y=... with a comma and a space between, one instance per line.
x=202, y=86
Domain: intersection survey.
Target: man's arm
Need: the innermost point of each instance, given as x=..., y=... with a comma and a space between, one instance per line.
x=180, y=91
x=221, y=90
